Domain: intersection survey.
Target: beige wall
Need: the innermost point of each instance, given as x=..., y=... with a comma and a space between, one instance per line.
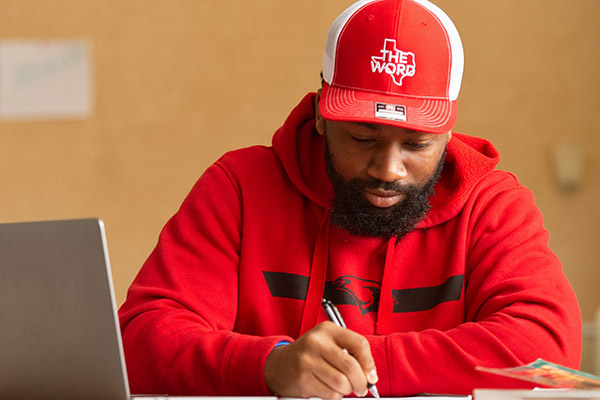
x=178, y=82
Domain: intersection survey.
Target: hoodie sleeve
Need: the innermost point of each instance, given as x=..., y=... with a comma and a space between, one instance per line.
x=178, y=320
x=519, y=307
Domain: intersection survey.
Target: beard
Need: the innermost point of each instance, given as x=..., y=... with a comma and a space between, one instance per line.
x=353, y=212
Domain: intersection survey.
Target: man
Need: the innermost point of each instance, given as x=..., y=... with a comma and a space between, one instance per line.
x=436, y=261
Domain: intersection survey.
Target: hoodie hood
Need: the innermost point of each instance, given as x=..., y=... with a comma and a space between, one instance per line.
x=301, y=151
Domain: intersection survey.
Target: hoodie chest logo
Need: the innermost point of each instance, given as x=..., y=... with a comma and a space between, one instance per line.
x=360, y=292
x=364, y=293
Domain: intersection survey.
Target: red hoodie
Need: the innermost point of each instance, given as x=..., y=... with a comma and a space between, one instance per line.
x=248, y=257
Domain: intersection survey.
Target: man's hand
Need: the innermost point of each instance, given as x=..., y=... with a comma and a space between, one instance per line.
x=327, y=362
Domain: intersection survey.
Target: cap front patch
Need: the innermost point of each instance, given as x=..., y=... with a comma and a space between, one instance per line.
x=390, y=111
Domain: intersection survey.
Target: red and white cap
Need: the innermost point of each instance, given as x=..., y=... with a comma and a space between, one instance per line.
x=394, y=62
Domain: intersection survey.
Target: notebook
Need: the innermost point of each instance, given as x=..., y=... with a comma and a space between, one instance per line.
x=59, y=333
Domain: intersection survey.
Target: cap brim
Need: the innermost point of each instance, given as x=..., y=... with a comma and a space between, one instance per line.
x=426, y=115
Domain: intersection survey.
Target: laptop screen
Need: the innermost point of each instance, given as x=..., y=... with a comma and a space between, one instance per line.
x=58, y=323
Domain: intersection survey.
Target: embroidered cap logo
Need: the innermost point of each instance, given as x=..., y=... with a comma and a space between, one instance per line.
x=396, y=63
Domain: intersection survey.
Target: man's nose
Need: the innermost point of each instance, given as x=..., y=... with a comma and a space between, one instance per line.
x=388, y=164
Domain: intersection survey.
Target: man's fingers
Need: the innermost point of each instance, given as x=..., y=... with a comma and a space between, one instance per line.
x=336, y=381
x=351, y=355
x=348, y=367
x=358, y=346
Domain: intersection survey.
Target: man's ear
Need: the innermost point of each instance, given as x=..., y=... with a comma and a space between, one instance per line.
x=319, y=120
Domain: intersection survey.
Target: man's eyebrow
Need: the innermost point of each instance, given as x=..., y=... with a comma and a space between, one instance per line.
x=369, y=125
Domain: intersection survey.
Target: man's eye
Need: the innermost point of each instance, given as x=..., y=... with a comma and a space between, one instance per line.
x=361, y=139
x=418, y=145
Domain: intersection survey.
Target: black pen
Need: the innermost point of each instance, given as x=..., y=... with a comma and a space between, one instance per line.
x=334, y=316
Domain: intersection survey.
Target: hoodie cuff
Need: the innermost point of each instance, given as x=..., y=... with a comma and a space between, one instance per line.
x=245, y=373
x=380, y=351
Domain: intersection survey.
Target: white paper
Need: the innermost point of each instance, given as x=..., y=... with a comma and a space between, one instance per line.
x=543, y=394
x=45, y=79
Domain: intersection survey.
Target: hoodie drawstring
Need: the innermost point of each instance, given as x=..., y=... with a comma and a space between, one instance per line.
x=318, y=274
x=386, y=304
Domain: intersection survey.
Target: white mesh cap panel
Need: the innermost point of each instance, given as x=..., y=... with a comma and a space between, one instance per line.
x=456, y=48
x=334, y=34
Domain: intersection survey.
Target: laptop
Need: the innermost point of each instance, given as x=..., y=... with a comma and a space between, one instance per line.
x=59, y=333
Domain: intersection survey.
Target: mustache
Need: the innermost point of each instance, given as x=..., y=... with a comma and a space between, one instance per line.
x=394, y=186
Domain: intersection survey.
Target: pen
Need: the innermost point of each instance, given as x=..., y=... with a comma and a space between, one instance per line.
x=334, y=316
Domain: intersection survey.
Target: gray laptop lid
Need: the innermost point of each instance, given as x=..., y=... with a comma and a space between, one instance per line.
x=59, y=334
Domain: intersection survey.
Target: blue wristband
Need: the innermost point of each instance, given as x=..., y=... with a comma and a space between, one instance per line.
x=282, y=343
